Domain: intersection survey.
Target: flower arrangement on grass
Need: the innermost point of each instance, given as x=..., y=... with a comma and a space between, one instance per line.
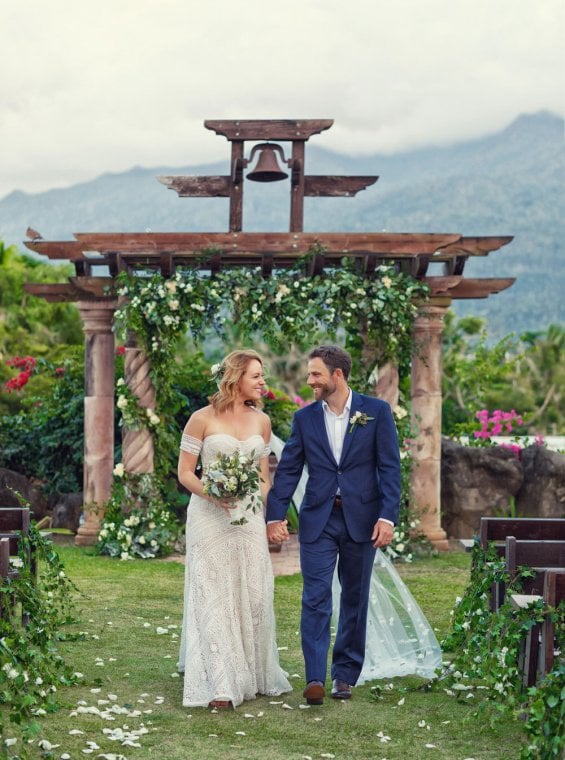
x=137, y=520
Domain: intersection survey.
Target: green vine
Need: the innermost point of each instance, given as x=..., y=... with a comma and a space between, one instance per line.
x=486, y=646
x=31, y=666
x=289, y=307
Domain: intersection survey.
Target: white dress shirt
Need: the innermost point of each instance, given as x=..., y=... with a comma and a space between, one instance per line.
x=336, y=428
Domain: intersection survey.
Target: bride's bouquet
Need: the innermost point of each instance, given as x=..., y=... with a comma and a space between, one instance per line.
x=234, y=476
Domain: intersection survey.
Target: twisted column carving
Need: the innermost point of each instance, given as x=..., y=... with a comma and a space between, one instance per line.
x=137, y=445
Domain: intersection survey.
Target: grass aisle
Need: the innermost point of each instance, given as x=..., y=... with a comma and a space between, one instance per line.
x=132, y=613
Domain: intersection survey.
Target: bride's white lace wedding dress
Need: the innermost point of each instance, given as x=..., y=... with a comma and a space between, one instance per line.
x=228, y=649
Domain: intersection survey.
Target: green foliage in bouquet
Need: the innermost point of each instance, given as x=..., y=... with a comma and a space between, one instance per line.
x=235, y=477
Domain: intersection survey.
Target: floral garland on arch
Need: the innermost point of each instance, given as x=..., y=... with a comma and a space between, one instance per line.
x=287, y=307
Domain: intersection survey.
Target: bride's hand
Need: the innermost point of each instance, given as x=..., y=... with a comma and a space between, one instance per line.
x=225, y=504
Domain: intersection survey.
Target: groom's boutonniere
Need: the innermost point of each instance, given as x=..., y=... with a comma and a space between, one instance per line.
x=359, y=418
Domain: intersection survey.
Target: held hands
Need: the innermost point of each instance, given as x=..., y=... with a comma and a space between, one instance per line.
x=382, y=534
x=277, y=532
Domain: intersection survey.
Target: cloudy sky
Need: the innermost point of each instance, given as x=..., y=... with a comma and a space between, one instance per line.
x=91, y=86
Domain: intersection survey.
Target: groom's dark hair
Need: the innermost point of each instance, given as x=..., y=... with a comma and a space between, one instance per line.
x=334, y=357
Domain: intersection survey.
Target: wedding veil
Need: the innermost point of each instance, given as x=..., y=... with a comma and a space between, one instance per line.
x=400, y=640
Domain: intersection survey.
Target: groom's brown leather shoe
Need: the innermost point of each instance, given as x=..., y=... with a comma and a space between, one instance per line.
x=341, y=690
x=314, y=693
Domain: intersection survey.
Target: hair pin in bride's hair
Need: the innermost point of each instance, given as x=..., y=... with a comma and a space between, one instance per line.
x=217, y=372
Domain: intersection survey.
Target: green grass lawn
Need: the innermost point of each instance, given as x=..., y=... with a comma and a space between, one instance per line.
x=127, y=664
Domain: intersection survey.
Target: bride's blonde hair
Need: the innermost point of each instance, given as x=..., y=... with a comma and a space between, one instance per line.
x=228, y=376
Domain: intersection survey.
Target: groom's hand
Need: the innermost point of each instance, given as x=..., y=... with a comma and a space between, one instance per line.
x=382, y=534
x=277, y=532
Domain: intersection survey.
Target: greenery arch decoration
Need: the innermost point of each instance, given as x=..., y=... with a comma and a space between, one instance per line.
x=288, y=307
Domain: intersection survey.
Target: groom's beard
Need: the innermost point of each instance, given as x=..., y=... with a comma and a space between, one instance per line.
x=321, y=392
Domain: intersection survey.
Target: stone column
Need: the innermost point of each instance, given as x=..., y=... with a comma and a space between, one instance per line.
x=97, y=318
x=137, y=445
x=426, y=419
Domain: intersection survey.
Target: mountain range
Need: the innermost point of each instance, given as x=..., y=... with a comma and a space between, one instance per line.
x=507, y=183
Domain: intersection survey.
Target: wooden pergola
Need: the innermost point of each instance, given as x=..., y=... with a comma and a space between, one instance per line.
x=166, y=252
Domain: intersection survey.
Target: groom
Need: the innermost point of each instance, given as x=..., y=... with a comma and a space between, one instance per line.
x=349, y=443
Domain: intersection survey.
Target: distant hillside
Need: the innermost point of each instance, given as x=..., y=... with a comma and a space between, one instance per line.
x=509, y=183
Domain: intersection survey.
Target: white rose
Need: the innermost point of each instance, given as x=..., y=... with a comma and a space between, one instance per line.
x=122, y=402
x=119, y=470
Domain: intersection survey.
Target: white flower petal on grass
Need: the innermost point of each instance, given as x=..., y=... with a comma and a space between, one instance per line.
x=287, y=707
x=421, y=723
x=318, y=719
x=446, y=723
x=75, y=732
x=213, y=735
x=65, y=756
x=295, y=675
x=87, y=751
x=306, y=757
x=160, y=631
x=10, y=742
x=401, y=701
x=327, y=754
x=147, y=625
x=248, y=715
x=282, y=649
x=276, y=703
x=430, y=746
x=240, y=733
x=303, y=707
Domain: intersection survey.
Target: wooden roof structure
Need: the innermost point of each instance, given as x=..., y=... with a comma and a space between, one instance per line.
x=166, y=252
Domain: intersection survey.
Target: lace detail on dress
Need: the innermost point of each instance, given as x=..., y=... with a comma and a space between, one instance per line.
x=266, y=451
x=228, y=648
x=190, y=444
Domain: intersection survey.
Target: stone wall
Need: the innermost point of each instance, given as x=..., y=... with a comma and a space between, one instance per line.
x=477, y=481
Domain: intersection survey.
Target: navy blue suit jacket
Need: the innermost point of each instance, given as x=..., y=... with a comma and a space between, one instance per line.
x=367, y=476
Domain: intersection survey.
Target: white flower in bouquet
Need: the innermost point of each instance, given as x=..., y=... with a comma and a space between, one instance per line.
x=234, y=476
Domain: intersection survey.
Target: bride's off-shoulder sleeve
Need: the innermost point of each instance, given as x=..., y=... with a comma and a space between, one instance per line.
x=190, y=444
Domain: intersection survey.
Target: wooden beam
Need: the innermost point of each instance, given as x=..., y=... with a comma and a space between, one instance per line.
x=198, y=187
x=150, y=244
x=474, y=246
x=265, y=129
x=63, y=249
x=481, y=287
x=335, y=186
x=68, y=291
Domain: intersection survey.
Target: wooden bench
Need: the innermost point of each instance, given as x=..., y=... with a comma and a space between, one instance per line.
x=537, y=653
x=495, y=529
x=15, y=521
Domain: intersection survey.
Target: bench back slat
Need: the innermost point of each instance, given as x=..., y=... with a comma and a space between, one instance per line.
x=14, y=518
x=522, y=528
x=542, y=554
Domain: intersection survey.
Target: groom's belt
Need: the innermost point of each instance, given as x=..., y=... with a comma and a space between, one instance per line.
x=337, y=502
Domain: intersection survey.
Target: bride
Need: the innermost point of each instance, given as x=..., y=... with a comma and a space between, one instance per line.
x=228, y=651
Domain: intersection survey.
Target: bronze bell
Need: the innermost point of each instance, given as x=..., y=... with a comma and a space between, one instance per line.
x=267, y=168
